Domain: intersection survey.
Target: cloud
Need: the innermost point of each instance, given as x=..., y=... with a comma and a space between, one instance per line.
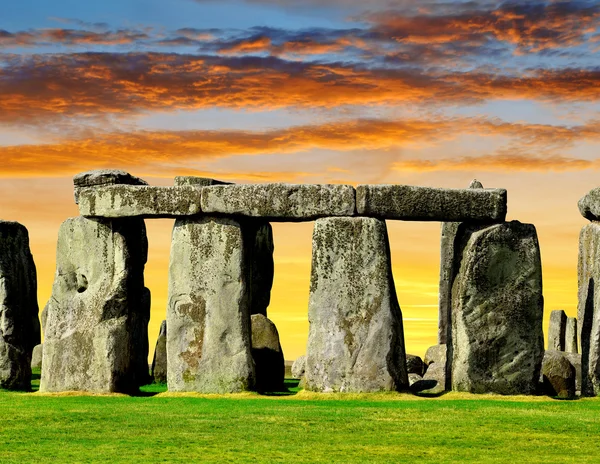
x=173, y=151
x=41, y=37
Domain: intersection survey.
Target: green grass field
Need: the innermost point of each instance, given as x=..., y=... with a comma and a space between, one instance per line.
x=297, y=427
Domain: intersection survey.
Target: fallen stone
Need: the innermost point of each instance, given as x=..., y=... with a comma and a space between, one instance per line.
x=19, y=323
x=408, y=203
x=414, y=365
x=259, y=247
x=589, y=205
x=413, y=378
x=435, y=354
x=143, y=201
x=356, y=337
x=434, y=380
x=97, y=318
x=571, y=335
x=280, y=202
x=497, y=338
x=556, y=330
x=208, y=315
x=299, y=367
x=588, y=308
x=558, y=375
x=159, y=362
x=36, y=356
x=448, y=269
x=267, y=354
x=103, y=177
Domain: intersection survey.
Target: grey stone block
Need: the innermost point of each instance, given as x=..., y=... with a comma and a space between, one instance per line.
x=557, y=330
x=103, y=177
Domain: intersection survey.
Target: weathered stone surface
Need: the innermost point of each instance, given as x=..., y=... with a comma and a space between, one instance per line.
x=103, y=177
x=208, y=316
x=556, y=330
x=497, y=338
x=449, y=261
x=409, y=203
x=435, y=354
x=197, y=181
x=575, y=360
x=19, y=323
x=588, y=308
x=356, y=337
x=434, y=380
x=120, y=201
x=259, y=247
x=277, y=202
x=267, y=354
x=589, y=205
x=36, y=356
x=96, y=335
x=299, y=367
x=571, y=335
x=44, y=317
x=414, y=365
x=159, y=362
x=558, y=375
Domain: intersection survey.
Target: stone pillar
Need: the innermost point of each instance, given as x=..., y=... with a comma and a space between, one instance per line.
x=588, y=309
x=258, y=239
x=556, y=330
x=267, y=354
x=356, y=337
x=19, y=323
x=97, y=317
x=159, y=361
x=208, y=315
x=497, y=337
x=571, y=336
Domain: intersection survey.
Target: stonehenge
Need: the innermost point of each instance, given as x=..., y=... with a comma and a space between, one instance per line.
x=221, y=270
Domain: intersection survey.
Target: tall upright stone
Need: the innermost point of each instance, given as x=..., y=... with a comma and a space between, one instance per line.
x=268, y=355
x=19, y=323
x=557, y=330
x=497, y=338
x=356, y=337
x=159, y=361
x=96, y=336
x=588, y=308
x=259, y=247
x=208, y=315
x=571, y=336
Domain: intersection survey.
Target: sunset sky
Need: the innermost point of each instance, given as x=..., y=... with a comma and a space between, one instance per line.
x=431, y=93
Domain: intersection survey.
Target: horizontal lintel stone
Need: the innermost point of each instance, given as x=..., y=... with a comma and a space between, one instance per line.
x=409, y=203
x=115, y=201
x=280, y=202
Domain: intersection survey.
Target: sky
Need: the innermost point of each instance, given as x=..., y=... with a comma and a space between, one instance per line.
x=432, y=93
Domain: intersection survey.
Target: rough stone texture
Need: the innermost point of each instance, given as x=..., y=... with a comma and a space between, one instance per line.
x=36, y=356
x=120, y=201
x=280, y=202
x=208, y=316
x=159, y=362
x=435, y=354
x=558, y=375
x=414, y=365
x=267, y=354
x=356, y=337
x=589, y=205
x=575, y=360
x=448, y=270
x=299, y=367
x=103, y=177
x=434, y=381
x=409, y=203
x=571, y=336
x=197, y=181
x=19, y=323
x=588, y=308
x=556, y=330
x=259, y=247
x=44, y=318
x=96, y=335
x=497, y=338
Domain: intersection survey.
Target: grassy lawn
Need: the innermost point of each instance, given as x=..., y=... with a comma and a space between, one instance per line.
x=299, y=428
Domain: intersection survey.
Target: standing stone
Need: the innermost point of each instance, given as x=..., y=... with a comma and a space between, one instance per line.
x=36, y=356
x=258, y=239
x=267, y=354
x=556, y=330
x=588, y=308
x=448, y=268
x=356, y=337
x=497, y=336
x=299, y=367
x=159, y=362
x=208, y=316
x=575, y=360
x=436, y=354
x=19, y=323
x=571, y=335
x=558, y=375
x=97, y=318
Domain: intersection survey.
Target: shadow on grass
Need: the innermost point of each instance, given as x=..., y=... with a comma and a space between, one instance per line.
x=290, y=386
